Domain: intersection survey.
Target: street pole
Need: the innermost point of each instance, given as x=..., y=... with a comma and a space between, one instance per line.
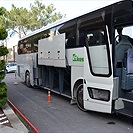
x=14, y=53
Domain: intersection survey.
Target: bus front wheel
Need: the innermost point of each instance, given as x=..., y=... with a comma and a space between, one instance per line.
x=79, y=97
x=27, y=79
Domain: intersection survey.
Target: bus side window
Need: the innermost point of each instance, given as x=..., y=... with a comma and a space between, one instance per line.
x=95, y=38
x=34, y=49
x=90, y=40
x=20, y=48
x=70, y=42
x=70, y=33
x=19, y=51
x=81, y=39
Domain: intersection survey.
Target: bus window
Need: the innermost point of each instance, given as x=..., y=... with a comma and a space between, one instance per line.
x=69, y=29
x=35, y=48
x=81, y=39
x=20, y=48
x=95, y=38
x=126, y=31
x=123, y=44
x=98, y=52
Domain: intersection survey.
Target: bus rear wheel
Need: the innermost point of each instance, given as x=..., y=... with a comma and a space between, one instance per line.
x=27, y=79
x=79, y=97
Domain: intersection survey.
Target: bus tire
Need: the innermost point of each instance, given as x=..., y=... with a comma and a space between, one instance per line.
x=79, y=97
x=27, y=79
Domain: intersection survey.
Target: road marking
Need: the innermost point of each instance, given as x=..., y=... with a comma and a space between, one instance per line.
x=2, y=118
x=2, y=114
x=4, y=122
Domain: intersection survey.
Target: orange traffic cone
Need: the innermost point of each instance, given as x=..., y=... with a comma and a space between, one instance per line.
x=49, y=97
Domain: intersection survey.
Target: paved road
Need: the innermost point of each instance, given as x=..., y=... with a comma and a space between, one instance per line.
x=59, y=116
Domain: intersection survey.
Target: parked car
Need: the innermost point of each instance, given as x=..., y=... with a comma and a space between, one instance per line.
x=11, y=67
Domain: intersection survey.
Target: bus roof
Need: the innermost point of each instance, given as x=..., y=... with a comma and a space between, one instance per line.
x=61, y=21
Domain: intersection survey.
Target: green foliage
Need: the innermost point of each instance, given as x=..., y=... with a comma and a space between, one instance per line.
x=21, y=20
x=3, y=87
x=44, y=14
x=3, y=94
x=2, y=65
x=2, y=76
x=2, y=10
x=3, y=90
x=3, y=100
x=3, y=50
x=3, y=34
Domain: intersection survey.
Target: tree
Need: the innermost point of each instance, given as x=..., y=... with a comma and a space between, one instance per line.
x=3, y=86
x=3, y=51
x=45, y=14
x=3, y=33
x=21, y=21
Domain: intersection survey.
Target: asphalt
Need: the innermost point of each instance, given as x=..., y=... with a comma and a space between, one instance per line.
x=16, y=125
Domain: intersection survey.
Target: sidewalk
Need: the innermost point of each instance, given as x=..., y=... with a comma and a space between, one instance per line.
x=17, y=125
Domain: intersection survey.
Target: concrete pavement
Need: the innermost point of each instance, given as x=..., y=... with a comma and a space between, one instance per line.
x=17, y=125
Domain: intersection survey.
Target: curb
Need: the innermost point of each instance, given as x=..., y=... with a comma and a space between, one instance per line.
x=16, y=124
x=22, y=116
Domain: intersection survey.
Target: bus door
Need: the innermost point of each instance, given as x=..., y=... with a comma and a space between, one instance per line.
x=98, y=78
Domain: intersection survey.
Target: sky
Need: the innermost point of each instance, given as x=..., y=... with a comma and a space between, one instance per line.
x=68, y=7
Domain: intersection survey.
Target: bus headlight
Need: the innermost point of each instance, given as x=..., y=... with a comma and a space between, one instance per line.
x=99, y=94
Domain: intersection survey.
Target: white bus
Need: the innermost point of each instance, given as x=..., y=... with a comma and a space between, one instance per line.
x=88, y=58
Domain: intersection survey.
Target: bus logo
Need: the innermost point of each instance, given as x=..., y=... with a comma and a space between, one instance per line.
x=77, y=59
